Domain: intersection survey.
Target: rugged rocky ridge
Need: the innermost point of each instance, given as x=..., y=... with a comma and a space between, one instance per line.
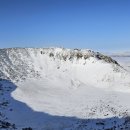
x=17, y=63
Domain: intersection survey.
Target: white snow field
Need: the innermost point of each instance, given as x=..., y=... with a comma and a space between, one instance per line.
x=63, y=89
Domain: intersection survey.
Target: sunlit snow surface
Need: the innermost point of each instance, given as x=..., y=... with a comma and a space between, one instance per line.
x=61, y=93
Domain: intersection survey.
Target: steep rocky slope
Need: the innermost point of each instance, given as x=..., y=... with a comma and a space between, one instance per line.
x=19, y=63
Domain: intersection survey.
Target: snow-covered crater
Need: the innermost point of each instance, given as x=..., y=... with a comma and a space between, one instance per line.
x=63, y=82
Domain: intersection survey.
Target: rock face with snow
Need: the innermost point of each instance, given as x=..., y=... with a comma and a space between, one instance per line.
x=19, y=63
x=58, y=88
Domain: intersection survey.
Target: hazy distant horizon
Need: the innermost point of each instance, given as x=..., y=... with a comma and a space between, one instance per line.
x=114, y=51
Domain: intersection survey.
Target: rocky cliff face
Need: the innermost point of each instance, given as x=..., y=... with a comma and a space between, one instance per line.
x=19, y=63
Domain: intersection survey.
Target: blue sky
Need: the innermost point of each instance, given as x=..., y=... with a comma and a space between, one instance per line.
x=93, y=24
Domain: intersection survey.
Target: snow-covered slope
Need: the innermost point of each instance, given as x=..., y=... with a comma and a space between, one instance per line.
x=20, y=63
x=57, y=88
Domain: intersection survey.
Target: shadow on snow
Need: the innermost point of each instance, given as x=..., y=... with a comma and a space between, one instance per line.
x=23, y=116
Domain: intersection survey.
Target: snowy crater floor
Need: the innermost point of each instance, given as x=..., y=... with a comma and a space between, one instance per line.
x=56, y=88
